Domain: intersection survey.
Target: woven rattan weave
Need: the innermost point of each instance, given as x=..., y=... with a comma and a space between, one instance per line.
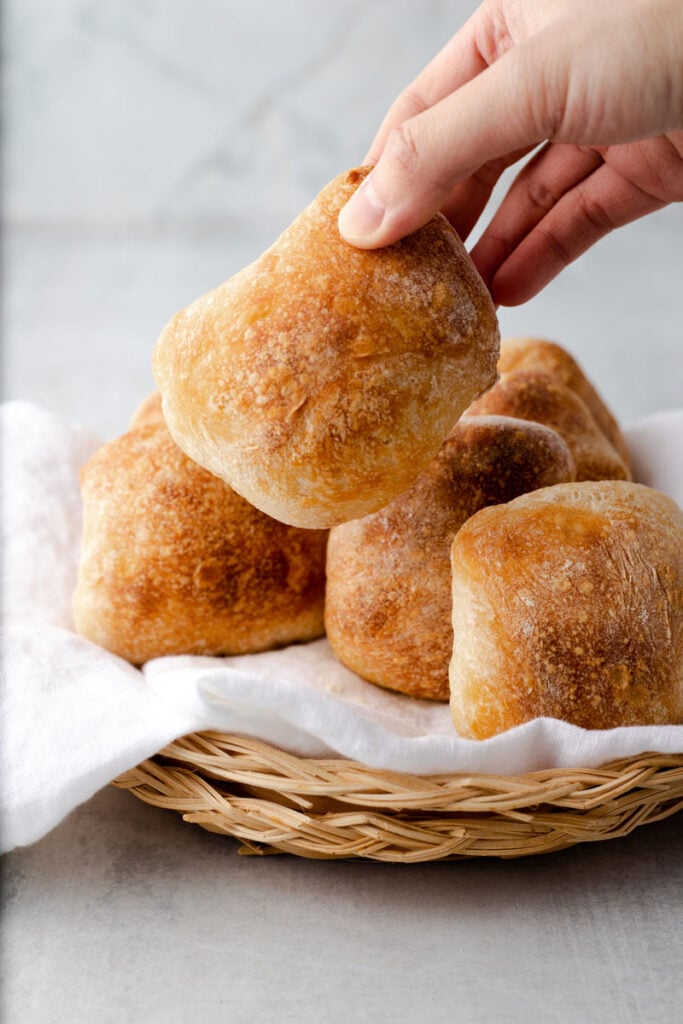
x=275, y=802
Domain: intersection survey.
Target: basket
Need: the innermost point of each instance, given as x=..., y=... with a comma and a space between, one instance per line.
x=276, y=802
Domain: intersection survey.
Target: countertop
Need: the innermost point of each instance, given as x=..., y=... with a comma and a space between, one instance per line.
x=151, y=150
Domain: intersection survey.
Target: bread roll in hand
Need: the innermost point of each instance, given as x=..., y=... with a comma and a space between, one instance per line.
x=321, y=379
x=175, y=562
x=568, y=603
x=540, y=381
x=388, y=601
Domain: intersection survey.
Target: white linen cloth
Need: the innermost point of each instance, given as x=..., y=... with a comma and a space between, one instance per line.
x=75, y=716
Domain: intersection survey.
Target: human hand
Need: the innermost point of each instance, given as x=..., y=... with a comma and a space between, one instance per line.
x=599, y=83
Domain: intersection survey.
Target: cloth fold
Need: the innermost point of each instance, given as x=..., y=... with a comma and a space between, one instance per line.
x=75, y=716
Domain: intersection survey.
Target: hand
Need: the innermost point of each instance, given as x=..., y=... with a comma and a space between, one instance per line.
x=597, y=83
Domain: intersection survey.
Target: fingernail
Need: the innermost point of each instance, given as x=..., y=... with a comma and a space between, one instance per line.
x=362, y=216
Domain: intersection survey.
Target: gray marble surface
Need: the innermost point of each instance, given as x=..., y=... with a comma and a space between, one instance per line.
x=124, y=913
x=150, y=150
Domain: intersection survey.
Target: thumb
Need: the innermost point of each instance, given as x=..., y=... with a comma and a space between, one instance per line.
x=512, y=105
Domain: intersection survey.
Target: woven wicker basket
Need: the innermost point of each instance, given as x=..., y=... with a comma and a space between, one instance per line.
x=275, y=802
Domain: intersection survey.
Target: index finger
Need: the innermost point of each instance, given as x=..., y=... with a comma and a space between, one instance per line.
x=456, y=63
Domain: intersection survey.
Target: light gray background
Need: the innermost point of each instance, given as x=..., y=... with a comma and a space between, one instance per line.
x=151, y=149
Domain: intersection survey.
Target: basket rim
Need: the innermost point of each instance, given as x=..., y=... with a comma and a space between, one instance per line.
x=246, y=744
x=333, y=808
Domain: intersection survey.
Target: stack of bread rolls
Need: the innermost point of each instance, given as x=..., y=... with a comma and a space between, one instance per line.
x=345, y=446
x=388, y=603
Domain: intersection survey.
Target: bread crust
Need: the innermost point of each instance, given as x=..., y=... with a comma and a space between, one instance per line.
x=321, y=379
x=388, y=598
x=540, y=381
x=175, y=562
x=568, y=603
x=541, y=354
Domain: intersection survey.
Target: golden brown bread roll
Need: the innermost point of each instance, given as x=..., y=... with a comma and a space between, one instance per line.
x=388, y=599
x=541, y=381
x=540, y=354
x=540, y=396
x=173, y=561
x=321, y=379
x=568, y=603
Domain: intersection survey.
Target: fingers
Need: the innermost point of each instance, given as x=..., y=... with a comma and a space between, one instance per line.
x=539, y=186
x=503, y=109
x=589, y=211
x=458, y=61
x=468, y=199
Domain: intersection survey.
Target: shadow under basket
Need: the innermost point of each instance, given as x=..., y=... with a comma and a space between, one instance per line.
x=275, y=802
